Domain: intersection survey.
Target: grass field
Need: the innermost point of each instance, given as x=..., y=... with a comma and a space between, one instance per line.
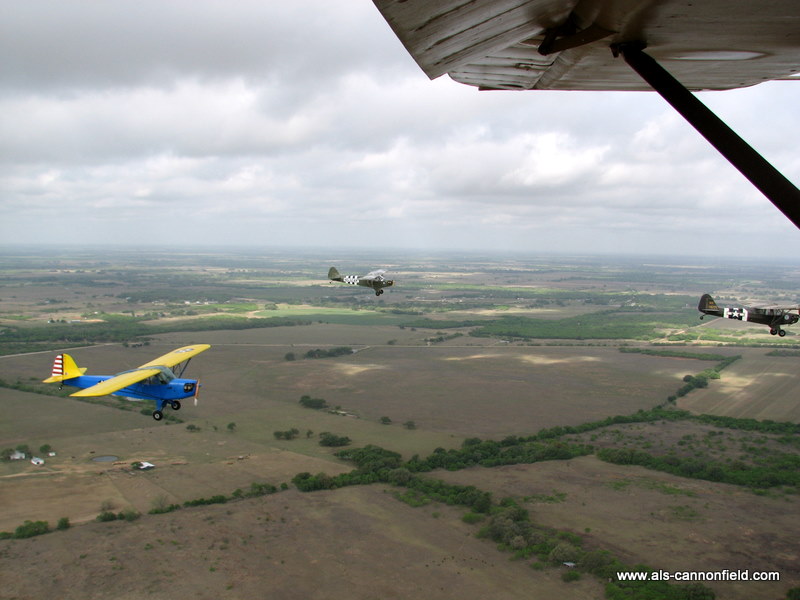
x=761, y=387
x=325, y=543
x=640, y=513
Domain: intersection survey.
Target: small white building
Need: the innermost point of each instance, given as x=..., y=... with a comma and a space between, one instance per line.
x=37, y=461
x=17, y=455
x=145, y=466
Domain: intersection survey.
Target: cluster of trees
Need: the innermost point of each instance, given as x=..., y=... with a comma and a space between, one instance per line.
x=701, y=379
x=490, y=453
x=315, y=403
x=326, y=438
x=783, y=469
x=33, y=528
x=289, y=434
x=674, y=353
x=333, y=352
x=125, y=515
x=510, y=527
x=443, y=337
x=765, y=426
x=256, y=489
x=216, y=499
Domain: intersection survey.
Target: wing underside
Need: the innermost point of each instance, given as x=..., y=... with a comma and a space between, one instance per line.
x=118, y=382
x=154, y=367
x=494, y=44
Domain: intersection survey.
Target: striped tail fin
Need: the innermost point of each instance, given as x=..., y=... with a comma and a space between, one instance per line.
x=64, y=367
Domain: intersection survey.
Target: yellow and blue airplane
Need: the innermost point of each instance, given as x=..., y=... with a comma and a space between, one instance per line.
x=155, y=380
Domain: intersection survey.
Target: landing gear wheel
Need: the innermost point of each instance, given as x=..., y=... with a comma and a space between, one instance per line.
x=158, y=415
x=175, y=405
x=379, y=292
x=781, y=332
x=773, y=331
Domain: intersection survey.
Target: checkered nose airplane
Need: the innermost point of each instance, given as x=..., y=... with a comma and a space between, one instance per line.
x=373, y=279
x=156, y=380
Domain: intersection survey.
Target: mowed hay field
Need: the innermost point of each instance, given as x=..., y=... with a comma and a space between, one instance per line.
x=353, y=542
x=356, y=543
x=758, y=387
x=450, y=392
x=658, y=519
x=460, y=388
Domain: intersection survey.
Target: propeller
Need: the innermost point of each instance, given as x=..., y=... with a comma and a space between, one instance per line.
x=196, y=391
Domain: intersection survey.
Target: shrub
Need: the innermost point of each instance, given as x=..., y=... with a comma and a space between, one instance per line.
x=31, y=529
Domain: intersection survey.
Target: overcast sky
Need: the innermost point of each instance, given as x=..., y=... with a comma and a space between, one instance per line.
x=307, y=124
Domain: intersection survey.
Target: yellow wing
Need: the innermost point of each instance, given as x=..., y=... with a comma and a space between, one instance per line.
x=122, y=380
x=116, y=383
x=177, y=356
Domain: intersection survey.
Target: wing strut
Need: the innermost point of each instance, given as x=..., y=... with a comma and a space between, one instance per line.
x=779, y=190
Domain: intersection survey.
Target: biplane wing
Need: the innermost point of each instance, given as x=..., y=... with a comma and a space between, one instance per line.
x=170, y=359
x=150, y=369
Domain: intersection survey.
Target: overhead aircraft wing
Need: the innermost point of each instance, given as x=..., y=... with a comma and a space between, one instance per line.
x=574, y=45
x=494, y=44
x=177, y=356
x=116, y=383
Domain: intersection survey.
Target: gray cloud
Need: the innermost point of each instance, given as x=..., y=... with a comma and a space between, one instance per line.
x=307, y=123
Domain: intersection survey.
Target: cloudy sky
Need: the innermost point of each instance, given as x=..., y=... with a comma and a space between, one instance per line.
x=307, y=124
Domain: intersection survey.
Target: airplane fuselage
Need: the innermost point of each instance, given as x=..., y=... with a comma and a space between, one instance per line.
x=771, y=317
x=375, y=281
x=176, y=389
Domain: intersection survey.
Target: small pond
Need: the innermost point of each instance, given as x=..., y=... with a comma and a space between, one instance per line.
x=105, y=458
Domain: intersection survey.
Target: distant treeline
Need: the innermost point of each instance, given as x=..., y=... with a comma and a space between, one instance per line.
x=120, y=329
x=376, y=464
x=784, y=469
x=784, y=353
x=624, y=323
x=612, y=324
x=675, y=353
x=333, y=352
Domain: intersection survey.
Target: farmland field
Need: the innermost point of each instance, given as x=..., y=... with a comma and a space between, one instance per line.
x=453, y=353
